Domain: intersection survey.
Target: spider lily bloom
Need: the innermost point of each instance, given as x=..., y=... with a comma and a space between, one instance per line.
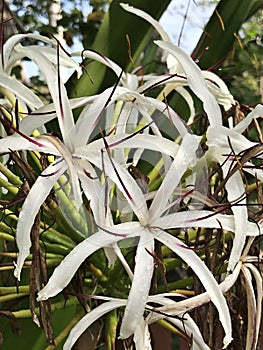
x=152, y=226
x=74, y=136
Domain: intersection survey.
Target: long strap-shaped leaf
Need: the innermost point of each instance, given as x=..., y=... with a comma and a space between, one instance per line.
x=219, y=33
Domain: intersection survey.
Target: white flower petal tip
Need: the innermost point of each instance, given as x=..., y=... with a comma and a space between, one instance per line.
x=227, y=341
x=17, y=272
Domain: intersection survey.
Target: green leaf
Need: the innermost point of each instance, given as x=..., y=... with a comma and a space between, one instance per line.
x=219, y=33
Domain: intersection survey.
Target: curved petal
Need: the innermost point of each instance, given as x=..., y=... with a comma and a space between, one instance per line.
x=235, y=191
x=184, y=157
x=20, y=91
x=67, y=268
x=205, y=276
x=89, y=318
x=144, y=265
x=35, y=198
x=196, y=81
x=143, y=141
x=57, y=91
x=205, y=218
x=256, y=113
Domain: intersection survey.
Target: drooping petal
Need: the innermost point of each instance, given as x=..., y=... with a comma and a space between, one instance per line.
x=20, y=91
x=67, y=268
x=219, y=89
x=256, y=113
x=205, y=276
x=140, y=287
x=12, y=42
x=35, y=198
x=89, y=318
x=196, y=82
x=148, y=18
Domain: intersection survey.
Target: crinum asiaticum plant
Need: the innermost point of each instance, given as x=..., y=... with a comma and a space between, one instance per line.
x=94, y=170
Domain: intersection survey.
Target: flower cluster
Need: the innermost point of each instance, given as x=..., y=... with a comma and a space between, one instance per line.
x=96, y=169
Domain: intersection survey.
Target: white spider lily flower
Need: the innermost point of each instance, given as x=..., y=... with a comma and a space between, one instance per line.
x=69, y=155
x=149, y=228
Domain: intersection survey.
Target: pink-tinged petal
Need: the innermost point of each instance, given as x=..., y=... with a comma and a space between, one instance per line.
x=185, y=156
x=17, y=142
x=196, y=81
x=144, y=265
x=205, y=276
x=89, y=318
x=35, y=198
x=205, y=218
x=63, y=274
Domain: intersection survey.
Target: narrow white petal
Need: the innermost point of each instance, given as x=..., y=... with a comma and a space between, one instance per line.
x=142, y=337
x=63, y=274
x=148, y=18
x=20, y=91
x=256, y=113
x=184, y=157
x=196, y=81
x=187, y=325
x=100, y=58
x=58, y=93
x=236, y=190
x=15, y=39
x=89, y=318
x=35, y=198
x=205, y=276
x=207, y=219
x=141, y=283
x=16, y=143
